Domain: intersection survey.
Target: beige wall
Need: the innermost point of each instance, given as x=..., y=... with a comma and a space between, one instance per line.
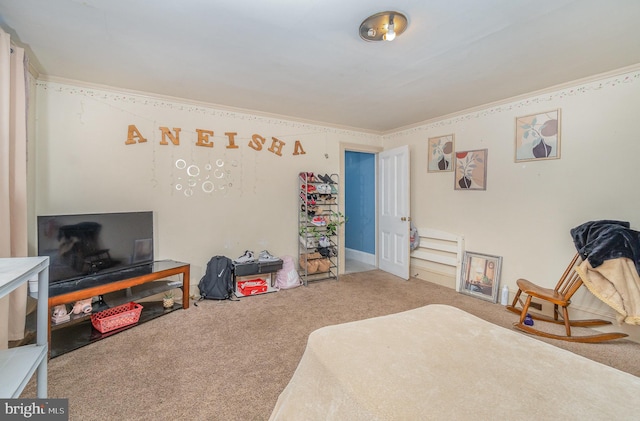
x=528, y=208
x=83, y=165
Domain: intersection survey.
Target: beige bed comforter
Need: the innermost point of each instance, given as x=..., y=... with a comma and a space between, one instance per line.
x=617, y=284
x=438, y=362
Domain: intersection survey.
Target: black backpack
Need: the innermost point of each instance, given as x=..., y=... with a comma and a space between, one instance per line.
x=217, y=282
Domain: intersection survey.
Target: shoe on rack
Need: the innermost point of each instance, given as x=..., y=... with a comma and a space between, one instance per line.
x=307, y=177
x=309, y=188
x=309, y=199
x=309, y=210
x=82, y=306
x=324, y=241
x=245, y=258
x=60, y=311
x=324, y=188
x=322, y=178
x=327, y=179
x=265, y=256
x=318, y=221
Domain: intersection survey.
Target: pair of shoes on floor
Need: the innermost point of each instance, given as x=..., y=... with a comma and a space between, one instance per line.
x=247, y=257
x=265, y=256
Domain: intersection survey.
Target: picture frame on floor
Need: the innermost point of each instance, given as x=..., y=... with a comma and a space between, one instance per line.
x=480, y=275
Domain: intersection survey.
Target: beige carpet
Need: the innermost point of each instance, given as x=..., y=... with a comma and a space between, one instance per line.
x=230, y=360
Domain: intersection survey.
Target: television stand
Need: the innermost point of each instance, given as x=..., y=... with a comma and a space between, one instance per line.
x=125, y=285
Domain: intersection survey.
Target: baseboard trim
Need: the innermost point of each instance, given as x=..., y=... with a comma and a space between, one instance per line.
x=435, y=277
x=360, y=256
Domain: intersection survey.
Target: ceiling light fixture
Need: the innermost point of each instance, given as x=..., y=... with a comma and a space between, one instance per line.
x=383, y=26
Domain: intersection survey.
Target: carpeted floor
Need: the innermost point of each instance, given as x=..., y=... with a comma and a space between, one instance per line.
x=230, y=360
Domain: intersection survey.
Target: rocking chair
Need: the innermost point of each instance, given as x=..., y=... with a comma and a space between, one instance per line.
x=560, y=296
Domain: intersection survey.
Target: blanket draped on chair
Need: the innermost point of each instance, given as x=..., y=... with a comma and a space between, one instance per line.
x=611, y=263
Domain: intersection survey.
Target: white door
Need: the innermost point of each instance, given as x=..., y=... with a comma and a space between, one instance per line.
x=394, y=218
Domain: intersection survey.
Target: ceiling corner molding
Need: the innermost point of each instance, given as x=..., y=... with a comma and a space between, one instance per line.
x=610, y=79
x=114, y=93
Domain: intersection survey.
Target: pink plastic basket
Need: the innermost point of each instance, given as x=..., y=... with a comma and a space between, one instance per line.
x=116, y=317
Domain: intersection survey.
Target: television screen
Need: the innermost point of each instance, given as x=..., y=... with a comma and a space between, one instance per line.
x=80, y=245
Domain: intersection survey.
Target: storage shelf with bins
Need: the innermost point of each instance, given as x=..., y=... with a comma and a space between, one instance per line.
x=318, y=223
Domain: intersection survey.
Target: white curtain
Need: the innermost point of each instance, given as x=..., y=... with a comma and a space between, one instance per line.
x=13, y=180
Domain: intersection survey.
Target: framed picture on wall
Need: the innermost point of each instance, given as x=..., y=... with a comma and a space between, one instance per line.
x=471, y=170
x=440, y=150
x=538, y=136
x=480, y=275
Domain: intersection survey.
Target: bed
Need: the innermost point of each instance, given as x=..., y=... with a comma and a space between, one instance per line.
x=439, y=362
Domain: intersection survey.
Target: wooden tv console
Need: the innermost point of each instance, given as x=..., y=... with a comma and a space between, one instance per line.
x=100, y=285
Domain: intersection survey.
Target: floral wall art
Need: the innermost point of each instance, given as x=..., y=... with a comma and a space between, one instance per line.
x=538, y=136
x=471, y=170
x=441, y=153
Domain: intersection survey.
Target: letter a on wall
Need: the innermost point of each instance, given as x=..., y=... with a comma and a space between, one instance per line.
x=134, y=134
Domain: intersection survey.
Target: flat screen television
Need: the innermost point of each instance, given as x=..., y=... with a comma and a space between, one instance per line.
x=88, y=244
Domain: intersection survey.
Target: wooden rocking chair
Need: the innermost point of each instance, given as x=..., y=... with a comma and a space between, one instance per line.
x=560, y=296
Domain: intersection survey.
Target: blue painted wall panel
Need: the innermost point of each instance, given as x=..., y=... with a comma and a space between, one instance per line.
x=360, y=199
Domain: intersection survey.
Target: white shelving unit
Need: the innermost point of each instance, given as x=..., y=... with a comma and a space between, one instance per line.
x=17, y=365
x=322, y=204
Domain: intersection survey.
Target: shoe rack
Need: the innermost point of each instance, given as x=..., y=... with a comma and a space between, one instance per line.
x=319, y=221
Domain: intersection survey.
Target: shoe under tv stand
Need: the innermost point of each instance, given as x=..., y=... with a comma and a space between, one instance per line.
x=77, y=332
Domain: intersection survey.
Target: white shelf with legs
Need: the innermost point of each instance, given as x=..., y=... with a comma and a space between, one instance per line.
x=18, y=364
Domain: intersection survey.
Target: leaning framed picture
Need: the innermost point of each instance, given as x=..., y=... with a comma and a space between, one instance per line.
x=480, y=276
x=471, y=170
x=538, y=136
x=440, y=150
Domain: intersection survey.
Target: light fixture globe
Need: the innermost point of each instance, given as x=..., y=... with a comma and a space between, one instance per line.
x=383, y=26
x=391, y=33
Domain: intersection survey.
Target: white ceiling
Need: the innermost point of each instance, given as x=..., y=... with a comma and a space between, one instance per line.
x=305, y=59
